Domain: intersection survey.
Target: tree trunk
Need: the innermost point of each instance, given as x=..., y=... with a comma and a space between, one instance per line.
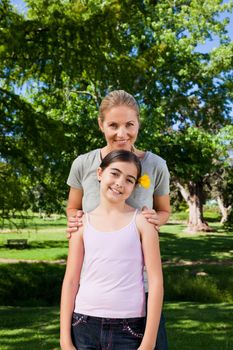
x=224, y=210
x=194, y=198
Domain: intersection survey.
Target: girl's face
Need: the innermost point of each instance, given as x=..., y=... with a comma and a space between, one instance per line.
x=118, y=180
x=120, y=127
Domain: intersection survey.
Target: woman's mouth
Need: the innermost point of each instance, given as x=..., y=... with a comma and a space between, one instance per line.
x=121, y=142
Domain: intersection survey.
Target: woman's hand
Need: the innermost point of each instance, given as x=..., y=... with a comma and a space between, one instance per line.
x=74, y=222
x=151, y=216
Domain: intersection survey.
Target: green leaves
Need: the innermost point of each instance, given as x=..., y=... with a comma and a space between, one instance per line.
x=69, y=54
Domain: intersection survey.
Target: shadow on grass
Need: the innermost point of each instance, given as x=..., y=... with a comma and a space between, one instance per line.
x=190, y=326
x=206, y=246
x=47, y=244
x=199, y=326
x=29, y=328
x=39, y=245
x=202, y=283
x=25, y=284
x=39, y=284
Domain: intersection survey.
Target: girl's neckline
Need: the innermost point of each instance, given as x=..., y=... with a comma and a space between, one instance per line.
x=107, y=232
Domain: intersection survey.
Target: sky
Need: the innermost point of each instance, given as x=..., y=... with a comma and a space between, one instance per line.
x=204, y=48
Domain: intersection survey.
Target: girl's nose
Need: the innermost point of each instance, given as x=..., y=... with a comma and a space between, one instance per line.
x=120, y=182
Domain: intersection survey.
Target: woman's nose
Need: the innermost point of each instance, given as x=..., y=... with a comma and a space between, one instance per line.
x=121, y=132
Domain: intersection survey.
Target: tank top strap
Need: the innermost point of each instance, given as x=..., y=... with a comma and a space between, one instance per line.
x=134, y=215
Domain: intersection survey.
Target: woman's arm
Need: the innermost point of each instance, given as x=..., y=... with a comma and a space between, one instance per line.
x=159, y=215
x=151, y=252
x=74, y=202
x=162, y=208
x=70, y=287
x=74, y=210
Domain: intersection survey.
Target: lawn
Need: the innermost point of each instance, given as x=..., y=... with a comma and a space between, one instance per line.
x=190, y=326
x=47, y=241
x=198, y=276
x=46, y=238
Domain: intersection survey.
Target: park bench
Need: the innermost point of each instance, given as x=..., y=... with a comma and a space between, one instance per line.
x=17, y=243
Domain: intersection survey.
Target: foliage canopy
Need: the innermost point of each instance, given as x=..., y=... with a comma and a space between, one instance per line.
x=58, y=60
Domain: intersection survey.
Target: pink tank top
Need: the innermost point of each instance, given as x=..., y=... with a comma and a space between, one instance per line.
x=112, y=281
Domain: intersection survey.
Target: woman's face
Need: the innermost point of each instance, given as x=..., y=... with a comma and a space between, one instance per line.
x=120, y=127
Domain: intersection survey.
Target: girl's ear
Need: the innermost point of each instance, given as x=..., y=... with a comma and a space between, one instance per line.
x=99, y=173
x=100, y=122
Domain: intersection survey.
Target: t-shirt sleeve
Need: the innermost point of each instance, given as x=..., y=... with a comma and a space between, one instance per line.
x=162, y=181
x=76, y=173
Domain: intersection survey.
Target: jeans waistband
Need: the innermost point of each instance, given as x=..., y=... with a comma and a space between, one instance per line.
x=105, y=320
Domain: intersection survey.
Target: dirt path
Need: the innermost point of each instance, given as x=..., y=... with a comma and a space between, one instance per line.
x=165, y=263
x=28, y=261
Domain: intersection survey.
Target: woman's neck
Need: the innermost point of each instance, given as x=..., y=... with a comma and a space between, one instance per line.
x=105, y=150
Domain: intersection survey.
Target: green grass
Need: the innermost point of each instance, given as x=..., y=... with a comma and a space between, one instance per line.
x=29, y=328
x=203, y=283
x=193, y=321
x=38, y=249
x=190, y=326
x=25, y=284
x=177, y=245
x=210, y=255
x=31, y=221
x=47, y=242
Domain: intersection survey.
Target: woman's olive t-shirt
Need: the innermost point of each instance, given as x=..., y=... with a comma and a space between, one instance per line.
x=83, y=176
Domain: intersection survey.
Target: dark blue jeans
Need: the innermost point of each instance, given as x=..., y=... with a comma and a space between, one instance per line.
x=161, y=342
x=96, y=333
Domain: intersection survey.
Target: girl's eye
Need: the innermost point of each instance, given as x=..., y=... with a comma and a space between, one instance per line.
x=114, y=173
x=130, y=181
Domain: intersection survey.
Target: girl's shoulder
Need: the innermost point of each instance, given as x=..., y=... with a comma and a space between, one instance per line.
x=140, y=219
x=143, y=225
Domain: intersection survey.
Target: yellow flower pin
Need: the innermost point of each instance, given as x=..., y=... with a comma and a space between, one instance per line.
x=144, y=181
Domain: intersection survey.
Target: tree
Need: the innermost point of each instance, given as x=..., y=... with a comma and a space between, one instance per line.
x=222, y=180
x=70, y=53
x=201, y=154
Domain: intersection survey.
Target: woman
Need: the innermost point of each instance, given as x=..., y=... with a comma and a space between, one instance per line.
x=119, y=122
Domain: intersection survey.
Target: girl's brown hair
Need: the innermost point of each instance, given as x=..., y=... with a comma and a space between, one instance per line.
x=122, y=156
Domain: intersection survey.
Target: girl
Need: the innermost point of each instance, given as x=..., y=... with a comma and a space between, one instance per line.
x=115, y=241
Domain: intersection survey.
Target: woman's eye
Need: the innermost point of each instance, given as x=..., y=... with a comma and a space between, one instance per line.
x=130, y=124
x=113, y=173
x=113, y=126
